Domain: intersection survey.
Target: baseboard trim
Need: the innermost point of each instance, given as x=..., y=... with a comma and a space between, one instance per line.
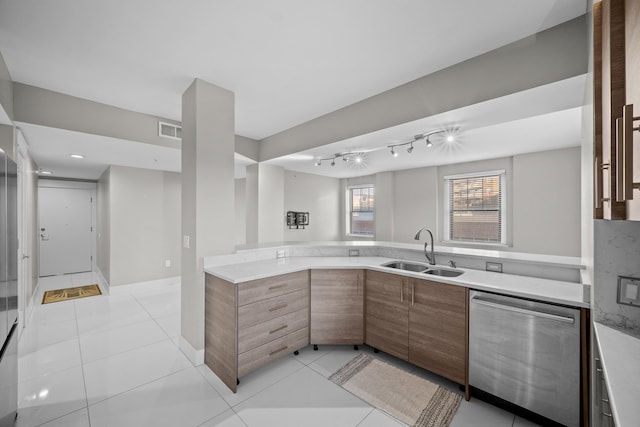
x=195, y=356
x=141, y=286
x=103, y=281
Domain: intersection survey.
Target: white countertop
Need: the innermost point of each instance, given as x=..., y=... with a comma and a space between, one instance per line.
x=620, y=357
x=566, y=293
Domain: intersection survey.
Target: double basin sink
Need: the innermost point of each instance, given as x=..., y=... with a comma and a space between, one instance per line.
x=421, y=268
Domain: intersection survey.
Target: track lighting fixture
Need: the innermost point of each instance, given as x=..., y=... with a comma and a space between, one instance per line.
x=353, y=158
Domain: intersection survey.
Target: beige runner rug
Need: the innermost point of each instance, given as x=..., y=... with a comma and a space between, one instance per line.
x=406, y=397
x=66, y=294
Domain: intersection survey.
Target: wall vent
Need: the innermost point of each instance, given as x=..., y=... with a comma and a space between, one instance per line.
x=167, y=130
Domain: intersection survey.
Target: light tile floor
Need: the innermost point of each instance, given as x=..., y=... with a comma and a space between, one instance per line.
x=114, y=361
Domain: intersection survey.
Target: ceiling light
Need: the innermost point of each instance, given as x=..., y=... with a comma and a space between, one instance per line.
x=76, y=156
x=451, y=138
x=429, y=143
x=319, y=163
x=358, y=159
x=393, y=153
x=333, y=162
x=410, y=149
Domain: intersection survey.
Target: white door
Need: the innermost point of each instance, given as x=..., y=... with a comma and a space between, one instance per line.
x=65, y=230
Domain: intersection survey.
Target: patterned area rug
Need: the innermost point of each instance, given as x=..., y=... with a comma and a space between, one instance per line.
x=66, y=294
x=406, y=397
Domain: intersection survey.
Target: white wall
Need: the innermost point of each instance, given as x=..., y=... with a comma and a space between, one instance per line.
x=103, y=221
x=318, y=195
x=416, y=195
x=265, y=203
x=543, y=201
x=240, y=236
x=546, y=202
x=140, y=225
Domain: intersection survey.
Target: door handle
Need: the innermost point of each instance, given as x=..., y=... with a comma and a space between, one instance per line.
x=25, y=256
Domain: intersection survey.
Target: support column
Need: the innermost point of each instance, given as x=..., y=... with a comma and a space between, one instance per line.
x=265, y=203
x=208, y=128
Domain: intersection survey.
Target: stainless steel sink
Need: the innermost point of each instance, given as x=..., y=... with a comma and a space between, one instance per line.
x=409, y=266
x=443, y=272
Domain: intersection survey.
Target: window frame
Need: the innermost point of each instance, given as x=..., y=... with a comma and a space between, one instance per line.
x=348, y=211
x=502, y=174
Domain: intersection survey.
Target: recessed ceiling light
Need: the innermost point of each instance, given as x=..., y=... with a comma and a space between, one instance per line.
x=451, y=138
x=77, y=156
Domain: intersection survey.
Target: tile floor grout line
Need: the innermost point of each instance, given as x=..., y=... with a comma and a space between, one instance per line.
x=136, y=387
x=84, y=378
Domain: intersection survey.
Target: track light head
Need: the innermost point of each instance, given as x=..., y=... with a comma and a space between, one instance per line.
x=319, y=163
x=410, y=149
x=450, y=138
x=333, y=162
x=429, y=143
x=393, y=153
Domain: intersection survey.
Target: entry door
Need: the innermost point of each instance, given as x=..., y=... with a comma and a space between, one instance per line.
x=65, y=230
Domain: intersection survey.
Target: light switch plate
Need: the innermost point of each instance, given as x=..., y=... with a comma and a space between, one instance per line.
x=629, y=290
x=281, y=254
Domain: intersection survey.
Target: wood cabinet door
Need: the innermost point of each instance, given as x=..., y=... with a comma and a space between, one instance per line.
x=337, y=307
x=386, y=313
x=437, y=328
x=632, y=87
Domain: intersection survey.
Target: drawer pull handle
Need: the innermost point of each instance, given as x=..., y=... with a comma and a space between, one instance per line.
x=278, y=329
x=607, y=415
x=271, y=288
x=278, y=307
x=278, y=350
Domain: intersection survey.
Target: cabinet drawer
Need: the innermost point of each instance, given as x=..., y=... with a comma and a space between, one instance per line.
x=257, y=335
x=257, y=290
x=253, y=359
x=262, y=311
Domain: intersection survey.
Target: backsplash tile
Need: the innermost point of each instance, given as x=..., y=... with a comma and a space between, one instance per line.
x=616, y=253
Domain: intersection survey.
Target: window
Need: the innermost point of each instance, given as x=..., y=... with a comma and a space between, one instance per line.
x=475, y=208
x=361, y=204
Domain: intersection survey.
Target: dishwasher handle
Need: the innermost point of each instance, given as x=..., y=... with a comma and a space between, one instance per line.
x=515, y=309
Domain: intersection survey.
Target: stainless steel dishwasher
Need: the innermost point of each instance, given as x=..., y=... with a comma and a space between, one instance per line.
x=527, y=353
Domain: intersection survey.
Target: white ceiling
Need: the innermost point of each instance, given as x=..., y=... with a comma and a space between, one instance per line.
x=287, y=61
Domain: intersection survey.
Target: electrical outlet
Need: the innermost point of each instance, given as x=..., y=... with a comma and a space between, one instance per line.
x=185, y=242
x=629, y=290
x=281, y=254
x=496, y=267
x=167, y=263
x=354, y=252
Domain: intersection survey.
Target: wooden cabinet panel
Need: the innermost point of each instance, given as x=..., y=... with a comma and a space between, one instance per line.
x=272, y=322
x=386, y=313
x=437, y=328
x=271, y=308
x=258, y=290
x=337, y=307
x=220, y=348
x=260, y=356
x=257, y=335
x=632, y=88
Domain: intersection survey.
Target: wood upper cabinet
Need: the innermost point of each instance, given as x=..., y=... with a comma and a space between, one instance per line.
x=437, y=328
x=616, y=66
x=386, y=313
x=632, y=92
x=337, y=307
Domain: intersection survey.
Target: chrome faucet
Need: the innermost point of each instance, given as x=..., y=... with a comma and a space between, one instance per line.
x=431, y=258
